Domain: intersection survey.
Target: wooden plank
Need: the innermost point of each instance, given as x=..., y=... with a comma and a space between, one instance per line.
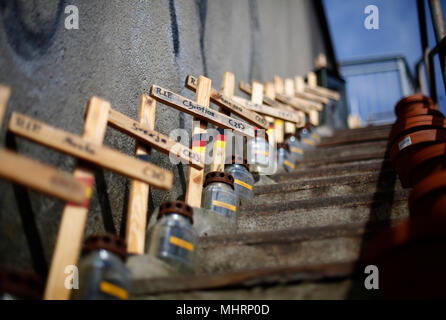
x=299, y=84
x=72, y=225
x=194, y=183
x=257, y=98
x=313, y=88
x=5, y=93
x=278, y=123
x=289, y=98
x=225, y=102
x=287, y=88
x=35, y=175
x=269, y=111
x=201, y=112
x=135, y=232
x=41, y=177
x=102, y=156
x=289, y=127
x=246, y=88
x=157, y=140
x=219, y=146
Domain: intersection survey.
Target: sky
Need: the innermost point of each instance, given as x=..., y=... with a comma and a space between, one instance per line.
x=398, y=32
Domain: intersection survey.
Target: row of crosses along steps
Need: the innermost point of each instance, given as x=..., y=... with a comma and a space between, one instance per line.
x=302, y=238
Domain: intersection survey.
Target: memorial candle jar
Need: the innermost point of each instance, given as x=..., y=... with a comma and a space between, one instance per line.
x=243, y=179
x=296, y=148
x=103, y=274
x=258, y=151
x=308, y=142
x=284, y=160
x=219, y=195
x=173, y=238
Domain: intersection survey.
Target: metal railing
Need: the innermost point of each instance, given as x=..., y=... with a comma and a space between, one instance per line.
x=375, y=85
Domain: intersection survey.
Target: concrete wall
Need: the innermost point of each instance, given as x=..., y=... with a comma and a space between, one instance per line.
x=119, y=51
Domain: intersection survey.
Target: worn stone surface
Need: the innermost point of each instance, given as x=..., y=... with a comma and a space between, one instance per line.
x=324, y=211
x=119, y=51
x=333, y=290
x=327, y=187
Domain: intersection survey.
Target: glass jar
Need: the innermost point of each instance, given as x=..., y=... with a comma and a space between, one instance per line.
x=243, y=179
x=283, y=158
x=20, y=285
x=258, y=150
x=103, y=274
x=219, y=195
x=308, y=142
x=296, y=148
x=173, y=238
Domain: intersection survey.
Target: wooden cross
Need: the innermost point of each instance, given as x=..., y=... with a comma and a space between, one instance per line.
x=278, y=123
x=227, y=105
x=201, y=111
x=90, y=151
x=312, y=87
x=146, y=134
x=269, y=112
x=135, y=232
x=88, y=147
x=269, y=99
x=280, y=95
x=299, y=84
x=226, y=101
x=35, y=175
x=285, y=94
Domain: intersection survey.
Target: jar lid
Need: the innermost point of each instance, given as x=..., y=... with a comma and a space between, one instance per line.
x=239, y=160
x=178, y=207
x=283, y=146
x=23, y=284
x=106, y=241
x=217, y=176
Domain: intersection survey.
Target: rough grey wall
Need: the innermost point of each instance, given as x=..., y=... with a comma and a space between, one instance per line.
x=119, y=51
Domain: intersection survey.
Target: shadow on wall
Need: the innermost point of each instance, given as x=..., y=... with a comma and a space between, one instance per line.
x=30, y=25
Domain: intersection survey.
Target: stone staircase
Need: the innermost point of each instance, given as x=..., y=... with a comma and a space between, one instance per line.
x=303, y=237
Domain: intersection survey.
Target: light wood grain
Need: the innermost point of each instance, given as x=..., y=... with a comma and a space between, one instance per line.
x=201, y=112
x=90, y=151
x=194, y=183
x=313, y=88
x=219, y=146
x=246, y=88
x=278, y=123
x=228, y=105
x=5, y=93
x=41, y=177
x=288, y=90
x=155, y=139
x=299, y=84
x=269, y=112
x=71, y=229
x=135, y=232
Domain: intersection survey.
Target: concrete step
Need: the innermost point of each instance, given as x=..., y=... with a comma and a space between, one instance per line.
x=324, y=211
x=297, y=247
x=365, y=130
x=355, y=138
x=345, y=150
x=306, y=164
x=335, y=170
x=327, y=187
x=267, y=283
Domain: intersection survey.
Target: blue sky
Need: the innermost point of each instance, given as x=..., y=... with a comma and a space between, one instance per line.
x=398, y=32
